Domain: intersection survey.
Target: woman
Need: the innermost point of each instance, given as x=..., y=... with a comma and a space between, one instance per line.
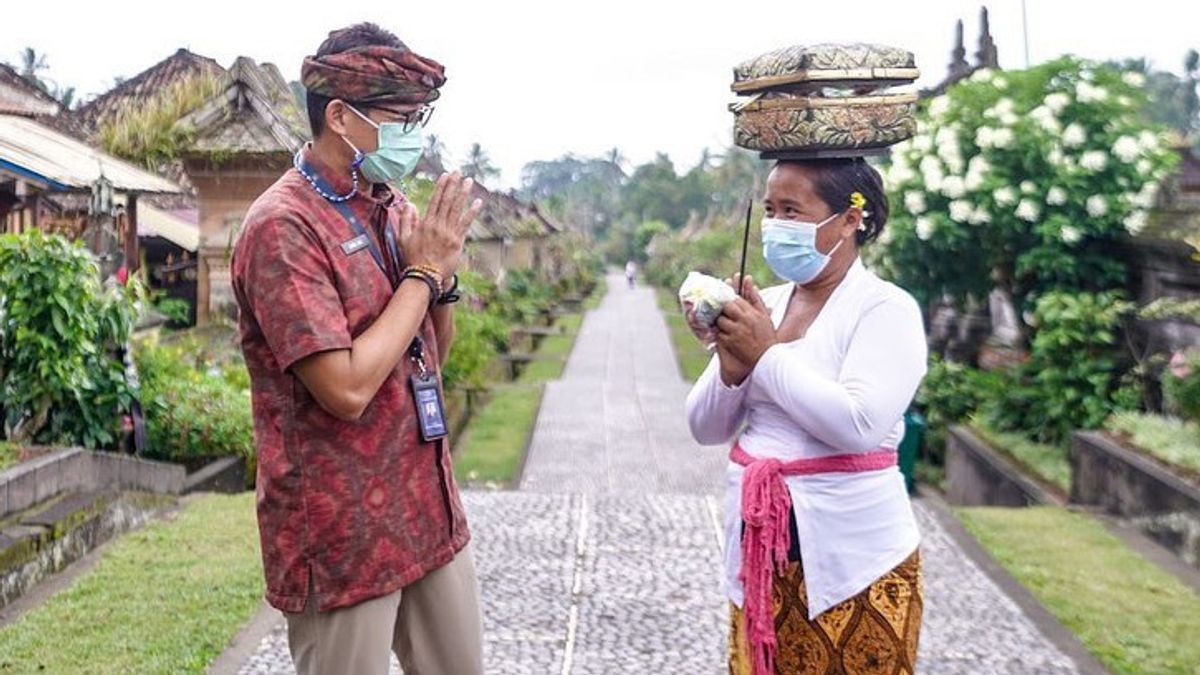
x=813, y=378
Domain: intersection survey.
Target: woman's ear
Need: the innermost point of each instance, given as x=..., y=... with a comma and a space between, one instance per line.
x=853, y=221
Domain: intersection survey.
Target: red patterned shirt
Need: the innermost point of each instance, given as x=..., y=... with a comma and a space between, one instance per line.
x=350, y=510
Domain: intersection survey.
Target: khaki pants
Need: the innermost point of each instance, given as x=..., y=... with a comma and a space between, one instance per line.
x=433, y=626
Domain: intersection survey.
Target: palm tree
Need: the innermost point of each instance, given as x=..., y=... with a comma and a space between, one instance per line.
x=478, y=165
x=65, y=96
x=616, y=158
x=31, y=64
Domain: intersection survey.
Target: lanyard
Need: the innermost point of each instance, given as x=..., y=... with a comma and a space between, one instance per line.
x=360, y=230
x=416, y=351
x=389, y=237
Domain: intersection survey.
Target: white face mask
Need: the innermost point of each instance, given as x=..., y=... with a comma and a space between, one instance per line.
x=790, y=247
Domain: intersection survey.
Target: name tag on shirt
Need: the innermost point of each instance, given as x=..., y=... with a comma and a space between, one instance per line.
x=352, y=246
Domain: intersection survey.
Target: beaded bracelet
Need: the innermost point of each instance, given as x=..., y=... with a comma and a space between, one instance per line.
x=432, y=280
x=430, y=270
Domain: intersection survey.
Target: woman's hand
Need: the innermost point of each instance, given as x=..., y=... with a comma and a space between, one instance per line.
x=745, y=332
x=704, y=333
x=749, y=291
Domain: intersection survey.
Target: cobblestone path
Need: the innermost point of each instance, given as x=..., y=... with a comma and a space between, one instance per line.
x=607, y=559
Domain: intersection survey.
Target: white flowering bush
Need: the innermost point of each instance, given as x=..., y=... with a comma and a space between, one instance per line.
x=1023, y=179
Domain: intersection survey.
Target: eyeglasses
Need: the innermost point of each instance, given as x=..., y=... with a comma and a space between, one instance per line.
x=412, y=119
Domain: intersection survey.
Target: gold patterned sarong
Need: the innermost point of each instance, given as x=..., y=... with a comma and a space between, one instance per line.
x=872, y=633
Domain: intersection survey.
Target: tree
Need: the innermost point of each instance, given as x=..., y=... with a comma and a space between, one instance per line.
x=1173, y=100
x=1026, y=181
x=582, y=192
x=33, y=63
x=478, y=165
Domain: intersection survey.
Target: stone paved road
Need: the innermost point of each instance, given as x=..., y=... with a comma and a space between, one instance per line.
x=608, y=559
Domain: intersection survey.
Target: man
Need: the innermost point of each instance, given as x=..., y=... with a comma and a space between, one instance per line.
x=346, y=296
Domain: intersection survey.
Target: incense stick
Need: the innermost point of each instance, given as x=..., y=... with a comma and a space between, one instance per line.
x=745, y=245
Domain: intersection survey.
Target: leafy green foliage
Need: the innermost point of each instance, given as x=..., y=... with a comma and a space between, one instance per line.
x=10, y=453
x=1172, y=309
x=177, y=310
x=1181, y=384
x=477, y=340
x=1024, y=179
x=1050, y=463
x=195, y=410
x=61, y=380
x=950, y=394
x=716, y=252
x=1074, y=368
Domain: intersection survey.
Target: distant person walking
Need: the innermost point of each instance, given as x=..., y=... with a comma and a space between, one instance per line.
x=631, y=273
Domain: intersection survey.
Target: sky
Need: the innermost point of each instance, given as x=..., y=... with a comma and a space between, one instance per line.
x=536, y=79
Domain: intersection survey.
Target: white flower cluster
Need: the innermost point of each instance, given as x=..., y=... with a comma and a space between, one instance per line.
x=934, y=172
x=1074, y=135
x=924, y=228
x=992, y=137
x=1089, y=93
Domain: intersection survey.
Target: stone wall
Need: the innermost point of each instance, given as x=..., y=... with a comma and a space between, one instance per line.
x=978, y=475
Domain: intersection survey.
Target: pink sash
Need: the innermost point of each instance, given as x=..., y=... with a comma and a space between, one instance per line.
x=766, y=503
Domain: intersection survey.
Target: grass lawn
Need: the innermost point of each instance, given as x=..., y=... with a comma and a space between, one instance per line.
x=8, y=454
x=164, y=599
x=692, y=356
x=494, y=441
x=1169, y=439
x=1130, y=614
x=1048, y=462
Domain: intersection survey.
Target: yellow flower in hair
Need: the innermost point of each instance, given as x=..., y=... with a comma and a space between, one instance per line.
x=857, y=200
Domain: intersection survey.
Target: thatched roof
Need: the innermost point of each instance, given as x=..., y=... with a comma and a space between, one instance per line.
x=506, y=217
x=253, y=112
x=19, y=96
x=142, y=88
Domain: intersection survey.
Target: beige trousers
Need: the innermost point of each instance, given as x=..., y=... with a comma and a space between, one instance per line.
x=433, y=625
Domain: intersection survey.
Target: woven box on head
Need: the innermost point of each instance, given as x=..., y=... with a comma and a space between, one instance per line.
x=827, y=100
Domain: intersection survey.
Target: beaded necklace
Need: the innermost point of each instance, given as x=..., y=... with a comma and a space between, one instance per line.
x=314, y=181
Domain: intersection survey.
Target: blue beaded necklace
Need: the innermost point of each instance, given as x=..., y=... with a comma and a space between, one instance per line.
x=315, y=181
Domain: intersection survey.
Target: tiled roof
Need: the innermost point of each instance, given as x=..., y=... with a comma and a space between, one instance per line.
x=19, y=96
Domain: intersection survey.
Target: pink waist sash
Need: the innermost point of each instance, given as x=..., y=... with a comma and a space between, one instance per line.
x=766, y=503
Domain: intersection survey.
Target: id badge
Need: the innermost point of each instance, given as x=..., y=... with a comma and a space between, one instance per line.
x=430, y=411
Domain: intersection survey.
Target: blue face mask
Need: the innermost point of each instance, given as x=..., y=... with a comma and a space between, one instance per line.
x=397, y=154
x=790, y=247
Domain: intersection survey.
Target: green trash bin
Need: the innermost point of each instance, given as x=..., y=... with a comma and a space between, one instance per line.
x=910, y=447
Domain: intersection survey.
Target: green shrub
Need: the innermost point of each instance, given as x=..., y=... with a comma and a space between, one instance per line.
x=61, y=330
x=177, y=311
x=1024, y=178
x=477, y=339
x=1181, y=384
x=950, y=394
x=191, y=412
x=1074, y=371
